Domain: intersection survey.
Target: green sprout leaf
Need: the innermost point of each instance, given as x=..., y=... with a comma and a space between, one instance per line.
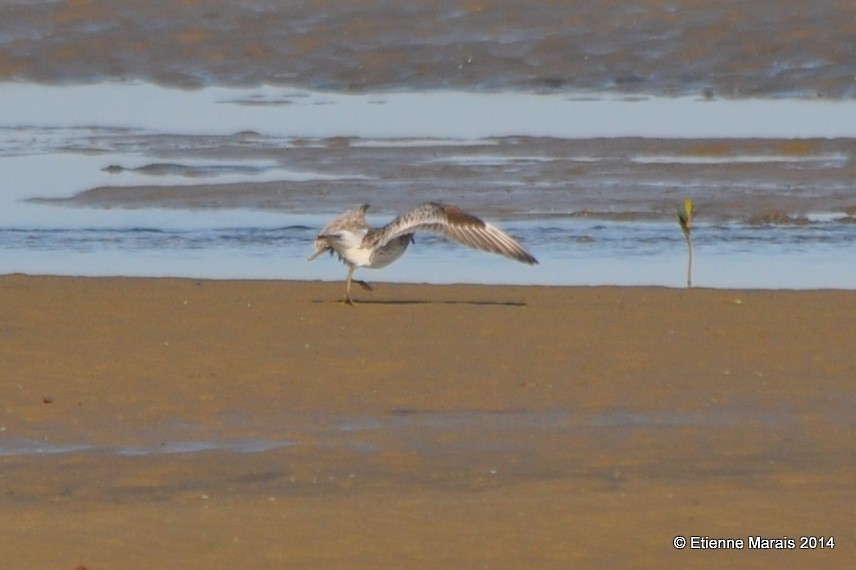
x=685, y=218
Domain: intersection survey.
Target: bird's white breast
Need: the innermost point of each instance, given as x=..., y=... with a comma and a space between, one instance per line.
x=347, y=246
x=351, y=249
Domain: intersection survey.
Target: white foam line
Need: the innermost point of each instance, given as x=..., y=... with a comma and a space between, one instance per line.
x=740, y=159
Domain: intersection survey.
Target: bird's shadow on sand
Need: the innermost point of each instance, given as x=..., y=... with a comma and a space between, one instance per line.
x=393, y=302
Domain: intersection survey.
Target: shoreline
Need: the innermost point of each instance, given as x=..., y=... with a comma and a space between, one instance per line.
x=396, y=284
x=516, y=426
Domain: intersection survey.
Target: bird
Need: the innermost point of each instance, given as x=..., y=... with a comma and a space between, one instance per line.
x=358, y=245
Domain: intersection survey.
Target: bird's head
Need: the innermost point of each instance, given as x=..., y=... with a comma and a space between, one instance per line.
x=322, y=245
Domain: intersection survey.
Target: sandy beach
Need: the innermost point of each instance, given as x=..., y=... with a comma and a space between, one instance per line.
x=158, y=423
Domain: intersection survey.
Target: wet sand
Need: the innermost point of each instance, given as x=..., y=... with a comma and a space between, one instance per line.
x=430, y=427
x=754, y=181
x=762, y=48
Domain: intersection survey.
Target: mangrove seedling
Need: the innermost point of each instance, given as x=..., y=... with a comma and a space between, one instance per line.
x=685, y=218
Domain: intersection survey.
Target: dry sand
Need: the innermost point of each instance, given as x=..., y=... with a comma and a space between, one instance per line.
x=430, y=427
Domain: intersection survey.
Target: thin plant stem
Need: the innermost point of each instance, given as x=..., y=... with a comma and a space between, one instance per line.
x=689, y=261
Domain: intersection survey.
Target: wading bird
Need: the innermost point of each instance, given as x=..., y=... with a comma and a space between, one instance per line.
x=359, y=245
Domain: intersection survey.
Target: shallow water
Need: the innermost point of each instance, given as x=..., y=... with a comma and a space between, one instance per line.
x=31, y=447
x=418, y=431
x=202, y=184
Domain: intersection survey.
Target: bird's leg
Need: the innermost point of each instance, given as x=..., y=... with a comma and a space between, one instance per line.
x=348, y=300
x=363, y=284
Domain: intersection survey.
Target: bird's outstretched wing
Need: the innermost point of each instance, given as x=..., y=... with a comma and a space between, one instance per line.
x=456, y=224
